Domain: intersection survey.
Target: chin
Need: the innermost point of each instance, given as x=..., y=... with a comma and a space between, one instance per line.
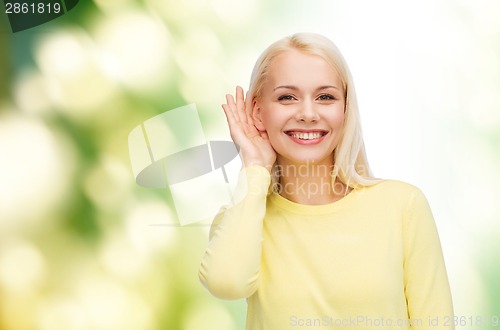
x=306, y=158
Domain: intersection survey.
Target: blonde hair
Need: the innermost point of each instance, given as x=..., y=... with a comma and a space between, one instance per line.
x=350, y=162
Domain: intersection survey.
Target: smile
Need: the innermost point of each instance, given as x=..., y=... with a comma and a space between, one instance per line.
x=306, y=137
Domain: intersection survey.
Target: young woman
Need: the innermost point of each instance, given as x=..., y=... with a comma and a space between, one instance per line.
x=316, y=241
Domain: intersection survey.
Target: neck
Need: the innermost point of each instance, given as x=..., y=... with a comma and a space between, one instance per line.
x=309, y=183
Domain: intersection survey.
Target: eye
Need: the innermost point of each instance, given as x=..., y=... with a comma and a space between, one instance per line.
x=286, y=97
x=326, y=97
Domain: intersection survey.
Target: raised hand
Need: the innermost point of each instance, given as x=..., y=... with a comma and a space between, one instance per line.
x=255, y=148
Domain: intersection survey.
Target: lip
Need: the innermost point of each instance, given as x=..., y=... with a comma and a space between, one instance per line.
x=306, y=142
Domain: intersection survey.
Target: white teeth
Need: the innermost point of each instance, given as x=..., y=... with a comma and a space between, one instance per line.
x=306, y=136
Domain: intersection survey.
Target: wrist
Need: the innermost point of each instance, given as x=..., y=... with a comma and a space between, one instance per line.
x=251, y=163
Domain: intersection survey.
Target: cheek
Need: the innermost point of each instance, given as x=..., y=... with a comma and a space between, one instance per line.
x=272, y=120
x=337, y=118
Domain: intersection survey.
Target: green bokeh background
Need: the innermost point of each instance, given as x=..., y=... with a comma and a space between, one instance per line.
x=83, y=247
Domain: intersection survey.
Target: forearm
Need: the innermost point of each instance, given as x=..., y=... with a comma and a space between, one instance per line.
x=230, y=266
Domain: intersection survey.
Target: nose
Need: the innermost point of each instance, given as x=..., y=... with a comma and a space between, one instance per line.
x=307, y=112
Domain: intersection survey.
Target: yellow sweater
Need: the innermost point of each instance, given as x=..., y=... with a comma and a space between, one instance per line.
x=371, y=260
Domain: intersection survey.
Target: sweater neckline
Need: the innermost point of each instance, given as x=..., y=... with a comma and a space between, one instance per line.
x=306, y=209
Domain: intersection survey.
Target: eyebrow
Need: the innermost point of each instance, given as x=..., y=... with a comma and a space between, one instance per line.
x=296, y=88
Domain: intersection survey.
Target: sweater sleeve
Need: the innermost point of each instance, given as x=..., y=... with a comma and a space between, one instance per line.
x=426, y=283
x=230, y=266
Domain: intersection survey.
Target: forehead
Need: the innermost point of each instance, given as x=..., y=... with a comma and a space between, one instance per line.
x=301, y=69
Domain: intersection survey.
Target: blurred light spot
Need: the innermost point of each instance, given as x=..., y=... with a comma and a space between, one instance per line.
x=22, y=266
x=199, y=56
x=16, y=311
x=134, y=49
x=240, y=65
x=235, y=12
x=62, y=53
x=110, y=5
x=109, y=306
x=61, y=314
x=34, y=172
x=208, y=316
x=194, y=88
x=198, y=52
x=68, y=59
x=109, y=183
x=121, y=259
x=31, y=93
x=182, y=14
x=151, y=226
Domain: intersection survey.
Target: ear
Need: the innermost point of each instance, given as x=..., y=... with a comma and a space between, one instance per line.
x=257, y=115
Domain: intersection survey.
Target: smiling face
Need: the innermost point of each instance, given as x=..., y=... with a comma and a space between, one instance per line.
x=301, y=106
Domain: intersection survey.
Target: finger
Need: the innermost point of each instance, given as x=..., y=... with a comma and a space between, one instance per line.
x=249, y=107
x=230, y=100
x=229, y=115
x=231, y=105
x=240, y=104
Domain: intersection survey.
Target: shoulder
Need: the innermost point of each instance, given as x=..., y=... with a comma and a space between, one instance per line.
x=393, y=187
x=394, y=191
